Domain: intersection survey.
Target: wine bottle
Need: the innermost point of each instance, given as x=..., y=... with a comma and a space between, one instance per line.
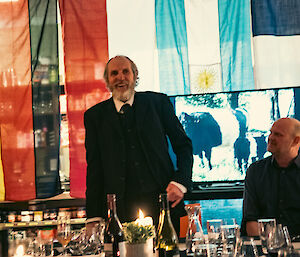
x=114, y=243
x=167, y=240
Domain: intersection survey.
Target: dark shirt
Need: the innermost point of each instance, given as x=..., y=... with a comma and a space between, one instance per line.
x=273, y=192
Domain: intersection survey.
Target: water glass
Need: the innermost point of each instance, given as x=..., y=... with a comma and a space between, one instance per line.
x=229, y=236
x=264, y=227
x=92, y=243
x=229, y=221
x=275, y=239
x=214, y=229
x=245, y=247
x=288, y=253
x=88, y=242
x=77, y=243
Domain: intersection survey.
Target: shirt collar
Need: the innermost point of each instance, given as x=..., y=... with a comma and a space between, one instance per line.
x=119, y=103
x=295, y=161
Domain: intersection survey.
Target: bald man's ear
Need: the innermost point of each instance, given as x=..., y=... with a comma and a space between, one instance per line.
x=297, y=140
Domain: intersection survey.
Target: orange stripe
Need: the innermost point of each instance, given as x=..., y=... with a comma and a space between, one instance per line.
x=16, y=102
x=84, y=64
x=2, y=187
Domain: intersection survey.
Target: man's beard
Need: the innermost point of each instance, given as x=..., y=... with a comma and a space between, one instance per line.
x=123, y=96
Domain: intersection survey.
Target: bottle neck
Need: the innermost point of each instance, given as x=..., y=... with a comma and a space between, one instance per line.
x=111, y=205
x=164, y=207
x=164, y=203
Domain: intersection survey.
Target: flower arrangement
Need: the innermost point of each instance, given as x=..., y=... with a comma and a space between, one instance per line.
x=136, y=233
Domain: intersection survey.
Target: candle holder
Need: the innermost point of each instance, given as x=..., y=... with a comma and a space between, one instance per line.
x=139, y=239
x=135, y=233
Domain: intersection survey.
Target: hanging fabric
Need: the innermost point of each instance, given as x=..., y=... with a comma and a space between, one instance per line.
x=84, y=27
x=16, y=121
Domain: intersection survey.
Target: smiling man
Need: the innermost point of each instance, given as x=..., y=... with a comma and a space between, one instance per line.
x=127, y=149
x=272, y=185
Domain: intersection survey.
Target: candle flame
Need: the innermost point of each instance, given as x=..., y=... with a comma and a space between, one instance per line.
x=20, y=251
x=141, y=214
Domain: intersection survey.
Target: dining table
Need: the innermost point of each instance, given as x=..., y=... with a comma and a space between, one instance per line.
x=182, y=248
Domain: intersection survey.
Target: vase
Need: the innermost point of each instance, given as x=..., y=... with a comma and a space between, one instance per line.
x=141, y=249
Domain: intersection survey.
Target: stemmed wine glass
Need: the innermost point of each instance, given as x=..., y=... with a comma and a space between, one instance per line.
x=64, y=233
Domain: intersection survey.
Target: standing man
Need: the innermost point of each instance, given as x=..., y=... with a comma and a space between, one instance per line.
x=272, y=185
x=127, y=149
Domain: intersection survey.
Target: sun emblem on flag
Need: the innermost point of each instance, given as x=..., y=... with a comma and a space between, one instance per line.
x=206, y=79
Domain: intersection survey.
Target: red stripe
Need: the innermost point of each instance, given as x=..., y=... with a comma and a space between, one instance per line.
x=84, y=26
x=16, y=102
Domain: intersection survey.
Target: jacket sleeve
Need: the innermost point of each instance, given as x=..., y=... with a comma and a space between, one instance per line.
x=94, y=179
x=181, y=144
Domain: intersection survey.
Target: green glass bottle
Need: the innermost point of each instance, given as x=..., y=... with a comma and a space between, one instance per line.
x=114, y=242
x=167, y=240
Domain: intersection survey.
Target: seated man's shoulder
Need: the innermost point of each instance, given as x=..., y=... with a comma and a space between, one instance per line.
x=260, y=164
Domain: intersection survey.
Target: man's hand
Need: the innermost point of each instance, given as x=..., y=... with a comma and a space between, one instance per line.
x=252, y=228
x=175, y=195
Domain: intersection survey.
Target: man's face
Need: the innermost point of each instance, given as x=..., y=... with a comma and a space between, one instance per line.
x=121, y=80
x=281, y=137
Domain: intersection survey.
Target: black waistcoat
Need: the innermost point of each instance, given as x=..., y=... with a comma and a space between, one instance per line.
x=138, y=176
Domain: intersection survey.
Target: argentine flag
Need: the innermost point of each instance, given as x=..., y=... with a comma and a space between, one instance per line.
x=184, y=46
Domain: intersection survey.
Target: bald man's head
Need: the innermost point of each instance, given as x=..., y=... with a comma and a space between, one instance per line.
x=284, y=139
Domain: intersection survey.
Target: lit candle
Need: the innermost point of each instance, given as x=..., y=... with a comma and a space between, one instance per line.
x=20, y=252
x=144, y=221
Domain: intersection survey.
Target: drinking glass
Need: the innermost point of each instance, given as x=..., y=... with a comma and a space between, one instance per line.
x=275, y=239
x=194, y=235
x=92, y=242
x=206, y=249
x=229, y=236
x=77, y=243
x=288, y=253
x=264, y=227
x=44, y=242
x=288, y=242
x=214, y=229
x=63, y=233
x=229, y=221
x=245, y=247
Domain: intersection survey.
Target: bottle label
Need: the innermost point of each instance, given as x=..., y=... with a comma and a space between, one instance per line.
x=164, y=253
x=108, y=247
x=122, y=249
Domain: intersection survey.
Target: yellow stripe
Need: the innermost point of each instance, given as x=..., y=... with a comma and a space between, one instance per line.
x=2, y=188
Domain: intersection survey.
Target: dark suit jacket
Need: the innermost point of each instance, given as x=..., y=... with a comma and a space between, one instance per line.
x=105, y=148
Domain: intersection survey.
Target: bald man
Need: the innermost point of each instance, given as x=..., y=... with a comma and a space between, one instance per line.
x=272, y=185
